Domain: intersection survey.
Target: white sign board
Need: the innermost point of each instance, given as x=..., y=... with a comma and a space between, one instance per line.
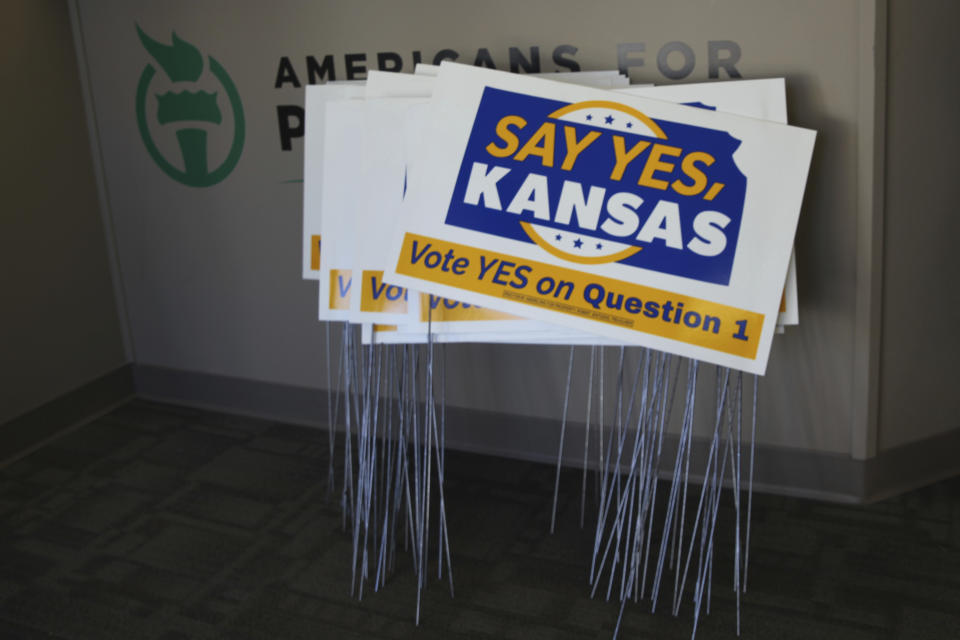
x=639, y=220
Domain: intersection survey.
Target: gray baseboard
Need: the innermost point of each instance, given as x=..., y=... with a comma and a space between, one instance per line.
x=793, y=472
x=25, y=433
x=912, y=465
x=283, y=403
x=810, y=474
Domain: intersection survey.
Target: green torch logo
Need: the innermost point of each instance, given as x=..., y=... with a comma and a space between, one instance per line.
x=189, y=113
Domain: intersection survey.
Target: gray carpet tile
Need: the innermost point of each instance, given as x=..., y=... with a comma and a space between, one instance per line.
x=166, y=523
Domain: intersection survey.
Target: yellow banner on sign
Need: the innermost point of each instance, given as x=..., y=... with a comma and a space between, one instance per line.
x=315, y=253
x=341, y=282
x=447, y=310
x=624, y=304
x=379, y=297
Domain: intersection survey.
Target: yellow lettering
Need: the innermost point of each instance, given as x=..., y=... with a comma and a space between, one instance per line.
x=574, y=147
x=546, y=133
x=508, y=136
x=690, y=169
x=625, y=157
x=654, y=164
x=714, y=190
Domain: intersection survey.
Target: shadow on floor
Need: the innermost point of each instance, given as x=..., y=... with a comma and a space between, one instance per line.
x=160, y=522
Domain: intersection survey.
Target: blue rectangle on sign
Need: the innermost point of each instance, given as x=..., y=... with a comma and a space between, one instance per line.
x=600, y=182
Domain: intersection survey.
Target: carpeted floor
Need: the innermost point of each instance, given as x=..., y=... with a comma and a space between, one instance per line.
x=166, y=523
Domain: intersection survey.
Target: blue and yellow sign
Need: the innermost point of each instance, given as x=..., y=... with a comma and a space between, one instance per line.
x=599, y=182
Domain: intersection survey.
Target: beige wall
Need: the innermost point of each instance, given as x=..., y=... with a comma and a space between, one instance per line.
x=58, y=318
x=59, y=325
x=212, y=276
x=921, y=298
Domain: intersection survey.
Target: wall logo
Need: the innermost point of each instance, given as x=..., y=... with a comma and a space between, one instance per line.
x=190, y=112
x=599, y=182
